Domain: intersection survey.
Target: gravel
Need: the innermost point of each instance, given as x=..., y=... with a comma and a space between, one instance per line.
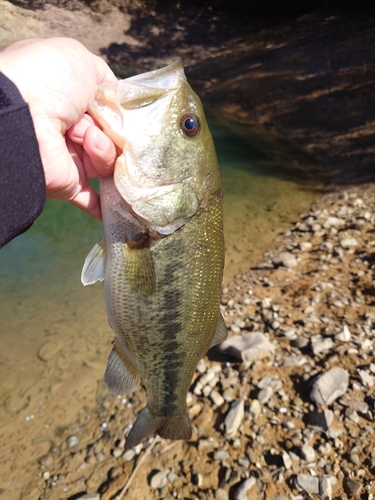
x=284, y=408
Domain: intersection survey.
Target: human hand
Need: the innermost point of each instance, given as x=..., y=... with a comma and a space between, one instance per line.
x=57, y=77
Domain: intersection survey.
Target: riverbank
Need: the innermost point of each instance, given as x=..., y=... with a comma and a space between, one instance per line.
x=287, y=410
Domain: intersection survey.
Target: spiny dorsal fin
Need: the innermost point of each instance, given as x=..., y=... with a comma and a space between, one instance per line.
x=93, y=268
x=139, y=269
x=120, y=377
x=221, y=333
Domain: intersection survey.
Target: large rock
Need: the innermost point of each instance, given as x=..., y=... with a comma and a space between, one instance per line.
x=330, y=386
x=248, y=347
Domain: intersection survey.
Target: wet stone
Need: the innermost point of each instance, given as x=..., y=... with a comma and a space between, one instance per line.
x=330, y=386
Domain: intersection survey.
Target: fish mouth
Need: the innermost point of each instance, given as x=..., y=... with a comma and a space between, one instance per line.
x=168, y=78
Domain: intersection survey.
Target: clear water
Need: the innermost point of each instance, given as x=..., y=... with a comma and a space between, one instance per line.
x=54, y=333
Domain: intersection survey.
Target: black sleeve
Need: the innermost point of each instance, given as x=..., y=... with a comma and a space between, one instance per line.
x=22, y=181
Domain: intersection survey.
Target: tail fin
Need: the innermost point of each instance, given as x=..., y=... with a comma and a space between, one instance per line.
x=167, y=427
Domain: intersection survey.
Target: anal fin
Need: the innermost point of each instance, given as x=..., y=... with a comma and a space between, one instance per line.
x=221, y=332
x=120, y=377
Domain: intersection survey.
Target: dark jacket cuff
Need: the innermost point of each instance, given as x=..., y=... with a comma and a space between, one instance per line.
x=22, y=180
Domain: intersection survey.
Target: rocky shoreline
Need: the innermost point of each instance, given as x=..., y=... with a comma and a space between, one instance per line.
x=283, y=410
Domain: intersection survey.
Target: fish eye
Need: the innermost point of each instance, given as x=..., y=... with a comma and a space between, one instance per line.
x=189, y=125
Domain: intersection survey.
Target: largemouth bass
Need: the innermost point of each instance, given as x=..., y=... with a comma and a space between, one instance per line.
x=163, y=251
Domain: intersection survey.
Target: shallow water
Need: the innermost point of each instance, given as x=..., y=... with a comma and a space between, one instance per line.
x=54, y=333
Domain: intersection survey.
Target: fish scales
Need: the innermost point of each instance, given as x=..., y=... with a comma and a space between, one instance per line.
x=162, y=331
x=162, y=255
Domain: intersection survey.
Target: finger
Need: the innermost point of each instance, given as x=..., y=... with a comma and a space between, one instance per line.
x=77, y=131
x=88, y=200
x=101, y=153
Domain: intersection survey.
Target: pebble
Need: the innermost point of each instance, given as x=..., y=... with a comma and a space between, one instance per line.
x=285, y=259
x=217, y=398
x=308, y=453
x=248, y=347
x=352, y=487
x=221, y=494
x=160, y=479
x=221, y=455
x=349, y=243
x=308, y=483
x=329, y=386
x=322, y=345
x=89, y=496
x=128, y=455
x=72, y=441
x=234, y=418
x=333, y=222
x=344, y=335
x=117, y=452
x=244, y=487
x=265, y=395
x=255, y=408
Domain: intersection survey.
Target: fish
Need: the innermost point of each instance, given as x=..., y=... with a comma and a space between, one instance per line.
x=162, y=255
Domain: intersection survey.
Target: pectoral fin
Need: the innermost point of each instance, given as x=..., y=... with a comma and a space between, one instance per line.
x=120, y=377
x=139, y=269
x=221, y=333
x=93, y=268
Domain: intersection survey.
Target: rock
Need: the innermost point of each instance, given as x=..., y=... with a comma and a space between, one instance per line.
x=115, y=472
x=234, y=418
x=217, y=398
x=128, y=455
x=265, y=395
x=244, y=487
x=325, y=488
x=117, y=452
x=248, y=347
x=72, y=441
x=352, y=415
x=287, y=460
x=329, y=386
x=295, y=361
x=285, y=259
x=320, y=420
x=221, y=455
x=352, y=487
x=367, y=379
x=172, y=477
x=255, y=408
x=333, y=222
x=349, y=243
x=308, y=453
x=308, y=483
x=221, y=494
x=305, y=246
x=322, y=345
x=160, y=479
x=344, y=335
x=89, y=496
